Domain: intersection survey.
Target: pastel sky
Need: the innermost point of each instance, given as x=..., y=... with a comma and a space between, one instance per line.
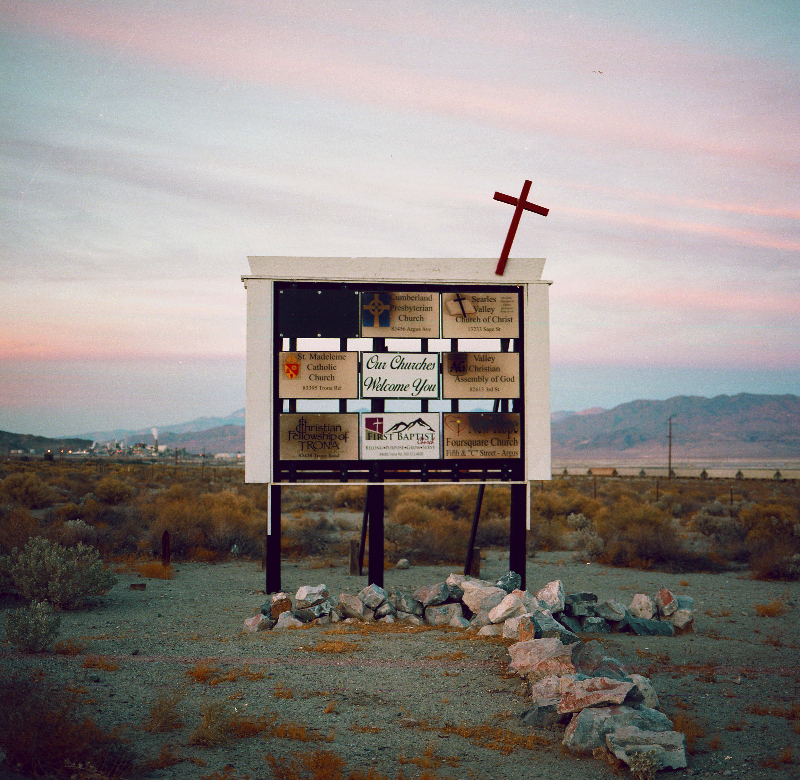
x=147, y=147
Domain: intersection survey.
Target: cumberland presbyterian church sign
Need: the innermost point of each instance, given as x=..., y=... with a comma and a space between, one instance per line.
x=416, y=369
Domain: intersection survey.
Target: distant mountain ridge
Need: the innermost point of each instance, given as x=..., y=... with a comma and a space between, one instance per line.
x=742, y=425
x=197, y=425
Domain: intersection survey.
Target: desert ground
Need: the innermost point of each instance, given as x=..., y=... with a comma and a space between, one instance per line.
x=405, y=700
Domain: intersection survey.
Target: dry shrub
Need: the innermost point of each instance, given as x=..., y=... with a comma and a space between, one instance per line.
x=17, y=527
x=545, y=534
x=68, y=647
x=214, y=521
x=294, y=731
x=350, y=497
x=643, y=536
x=691, y=728
x=154, y=570
x=429, y=759
x=166, y=758
x=318, y=765
x=774, y=608
x=283, y=691
x=773, y=538
x=164, y=714
x=219, y=725
x=786, y=756
x=43, y=731
x=206, y=671
x=305, y=535
x=111, y=490
x=443, y=542
x=27, y=490
x=212, y=731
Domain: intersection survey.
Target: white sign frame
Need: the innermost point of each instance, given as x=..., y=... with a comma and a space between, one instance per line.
x=459, y=272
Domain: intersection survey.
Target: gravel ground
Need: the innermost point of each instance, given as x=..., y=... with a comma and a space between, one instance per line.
x=402, y=699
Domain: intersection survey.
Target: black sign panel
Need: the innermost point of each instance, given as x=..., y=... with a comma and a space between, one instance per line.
x=305, y=313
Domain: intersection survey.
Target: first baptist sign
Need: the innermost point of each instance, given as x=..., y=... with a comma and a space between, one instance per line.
x=367, y=369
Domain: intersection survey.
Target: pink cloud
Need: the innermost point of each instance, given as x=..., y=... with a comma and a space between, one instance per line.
x=362, y=56
x=677, y=227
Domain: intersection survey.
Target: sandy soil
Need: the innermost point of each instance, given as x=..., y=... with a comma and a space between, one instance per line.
x=395, y=696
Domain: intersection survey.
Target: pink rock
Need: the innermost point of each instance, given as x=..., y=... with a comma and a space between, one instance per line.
x=552, y=596
x=665, y=602
x=597, y=692
x=543, y=656
x=281, y=602
x=257, y=623
x=353, y=607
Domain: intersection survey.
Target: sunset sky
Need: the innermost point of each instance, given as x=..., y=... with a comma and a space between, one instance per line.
x=148, y=147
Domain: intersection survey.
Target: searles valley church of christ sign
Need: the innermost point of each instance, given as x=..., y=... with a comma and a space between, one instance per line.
x=388, y=368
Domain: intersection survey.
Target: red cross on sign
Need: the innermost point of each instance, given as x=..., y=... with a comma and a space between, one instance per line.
x=520, y=204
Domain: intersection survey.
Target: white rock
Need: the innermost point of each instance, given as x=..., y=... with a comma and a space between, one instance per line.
x=552, y=596
x=309, y=595
x=476, y=593
x=647, y=690
x=510, y=606
x=669, y=747
x=287, y=620
x=495, y=629
x=642, y=606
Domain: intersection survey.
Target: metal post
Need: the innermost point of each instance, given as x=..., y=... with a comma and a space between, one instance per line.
x=273, y=557
x=375, y=497
x=517, y=542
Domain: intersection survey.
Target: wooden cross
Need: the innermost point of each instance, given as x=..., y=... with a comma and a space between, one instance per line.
x=521, y=204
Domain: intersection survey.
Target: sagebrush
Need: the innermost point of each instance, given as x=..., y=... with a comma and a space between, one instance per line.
x=64, y=577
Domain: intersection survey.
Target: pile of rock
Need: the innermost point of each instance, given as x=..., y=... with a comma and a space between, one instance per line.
x=571, y=681
x=493, y=609
x=603, y=706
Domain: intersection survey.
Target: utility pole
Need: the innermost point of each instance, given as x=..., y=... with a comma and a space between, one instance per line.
x=669, y=456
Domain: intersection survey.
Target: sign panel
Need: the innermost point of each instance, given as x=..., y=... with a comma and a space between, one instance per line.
x=318, y=437
x=386, y=436
x=317, y=313
x=399, y=375
x=318, y=374
x=481, y=435
x=480, y=315
x=480, y=375
x=400, y=314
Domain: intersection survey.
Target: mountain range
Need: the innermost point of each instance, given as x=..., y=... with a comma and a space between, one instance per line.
x=739, y=426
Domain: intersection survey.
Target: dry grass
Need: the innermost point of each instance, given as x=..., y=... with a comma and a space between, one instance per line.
x=774, y=608
x=283, y=691
x=784, y=757
x=166, y=758
x=206, y=671
x=332, y=646
x=295, y=731
x=69, y=647
x=429, y=759
x=44, y=729
x=100, y=662
x=164, y=715
x=692, y=729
